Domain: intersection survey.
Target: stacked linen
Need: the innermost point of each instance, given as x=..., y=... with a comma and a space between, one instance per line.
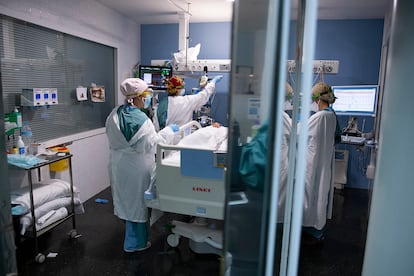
x=51, y=200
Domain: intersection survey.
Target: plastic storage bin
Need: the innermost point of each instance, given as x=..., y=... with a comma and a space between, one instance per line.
x=62, y=165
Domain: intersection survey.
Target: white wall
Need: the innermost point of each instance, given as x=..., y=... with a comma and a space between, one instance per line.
x=389, y=248
x=90, y=20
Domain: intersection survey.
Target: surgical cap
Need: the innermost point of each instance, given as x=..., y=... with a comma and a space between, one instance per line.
x=133, y=87
x=323, y=92
x=175, y=83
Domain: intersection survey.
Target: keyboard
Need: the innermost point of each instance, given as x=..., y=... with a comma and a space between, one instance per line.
x=352, y=139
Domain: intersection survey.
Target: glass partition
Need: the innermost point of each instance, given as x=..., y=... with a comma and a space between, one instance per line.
x=258, y=86
x=266, y=176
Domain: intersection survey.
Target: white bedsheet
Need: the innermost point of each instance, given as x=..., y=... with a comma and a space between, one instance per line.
x=208, y=138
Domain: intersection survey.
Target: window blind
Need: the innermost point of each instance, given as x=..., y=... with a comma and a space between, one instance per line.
x=36, y=57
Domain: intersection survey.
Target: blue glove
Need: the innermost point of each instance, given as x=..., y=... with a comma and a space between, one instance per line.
x=174, y=127
x=217, y=79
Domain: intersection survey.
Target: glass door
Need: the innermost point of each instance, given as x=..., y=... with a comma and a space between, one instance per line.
x=265, y=176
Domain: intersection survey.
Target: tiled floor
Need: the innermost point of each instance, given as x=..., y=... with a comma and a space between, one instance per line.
x=98, y=251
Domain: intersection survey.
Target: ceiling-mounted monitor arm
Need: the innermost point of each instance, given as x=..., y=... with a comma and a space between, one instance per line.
x=191, y=65
x=183, y=32
x=180, y=8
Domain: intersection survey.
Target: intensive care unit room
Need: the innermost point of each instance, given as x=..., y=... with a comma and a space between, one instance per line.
x=220, y=137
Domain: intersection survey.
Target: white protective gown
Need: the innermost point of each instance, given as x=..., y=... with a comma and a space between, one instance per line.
x=284, y=164
x=319, y=181
x=131, y=166
x=180, y=108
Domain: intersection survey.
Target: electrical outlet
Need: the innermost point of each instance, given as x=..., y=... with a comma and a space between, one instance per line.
x=329, y=66
x=319, y=66
x=291, y=66
x=212, y=65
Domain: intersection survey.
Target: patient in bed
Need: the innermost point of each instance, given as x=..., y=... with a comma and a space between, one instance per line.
x=212, y=137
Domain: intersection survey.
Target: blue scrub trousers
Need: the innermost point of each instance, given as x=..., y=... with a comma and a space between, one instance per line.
x=136, y=235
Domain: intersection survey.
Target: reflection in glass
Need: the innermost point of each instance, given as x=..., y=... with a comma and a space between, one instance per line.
x=258, y=99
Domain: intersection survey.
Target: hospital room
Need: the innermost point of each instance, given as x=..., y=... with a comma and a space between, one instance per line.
x=190, y=137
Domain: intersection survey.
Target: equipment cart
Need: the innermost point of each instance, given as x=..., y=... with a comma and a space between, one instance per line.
x=35, y=233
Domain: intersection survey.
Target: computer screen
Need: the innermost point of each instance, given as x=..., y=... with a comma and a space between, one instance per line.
x=155, y=76
x=355, y=100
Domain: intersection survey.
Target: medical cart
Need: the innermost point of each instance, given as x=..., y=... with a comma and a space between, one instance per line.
x=56, y=159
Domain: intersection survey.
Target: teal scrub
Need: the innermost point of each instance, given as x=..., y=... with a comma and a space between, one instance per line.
x=253, y=159
x=162, y=112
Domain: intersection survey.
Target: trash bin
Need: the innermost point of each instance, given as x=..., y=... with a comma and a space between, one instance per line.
x=62, y=165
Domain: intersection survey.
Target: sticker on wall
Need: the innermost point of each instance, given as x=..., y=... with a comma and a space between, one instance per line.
x=81, y=94
x=253, y=108
x=97, y=93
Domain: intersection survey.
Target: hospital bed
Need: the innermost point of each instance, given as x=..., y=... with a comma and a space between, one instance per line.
x=190, y=181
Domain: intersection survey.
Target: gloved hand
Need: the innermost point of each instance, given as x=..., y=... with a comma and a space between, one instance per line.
x=174, y=127
x=217, y=79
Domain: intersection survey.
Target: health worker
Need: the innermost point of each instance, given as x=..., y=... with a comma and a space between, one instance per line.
x=132, y=142
x=254, y=159
x=319, y=179
x=178, y=108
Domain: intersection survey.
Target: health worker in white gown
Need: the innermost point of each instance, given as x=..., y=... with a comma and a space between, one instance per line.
x=132, y=141
x=178, y=108
x=319, y=181
x=254, y=162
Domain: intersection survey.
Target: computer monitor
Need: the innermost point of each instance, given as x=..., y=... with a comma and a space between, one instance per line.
x=155, y=76
x=355, y=100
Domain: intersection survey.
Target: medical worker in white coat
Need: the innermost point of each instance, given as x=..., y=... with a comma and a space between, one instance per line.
x=319, y=181
x=132, y=141
x=284, y=152
x=254, y=161
x=178, y=108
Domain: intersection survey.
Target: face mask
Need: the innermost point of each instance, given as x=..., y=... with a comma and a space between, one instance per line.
x=147, y=101
x=314, y=107
x=288, y=105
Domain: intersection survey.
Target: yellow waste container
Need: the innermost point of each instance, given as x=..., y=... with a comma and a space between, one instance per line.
x=62, y=165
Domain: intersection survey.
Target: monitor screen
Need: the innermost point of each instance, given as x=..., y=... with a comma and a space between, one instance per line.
x=355, y=100
x=155, y=76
